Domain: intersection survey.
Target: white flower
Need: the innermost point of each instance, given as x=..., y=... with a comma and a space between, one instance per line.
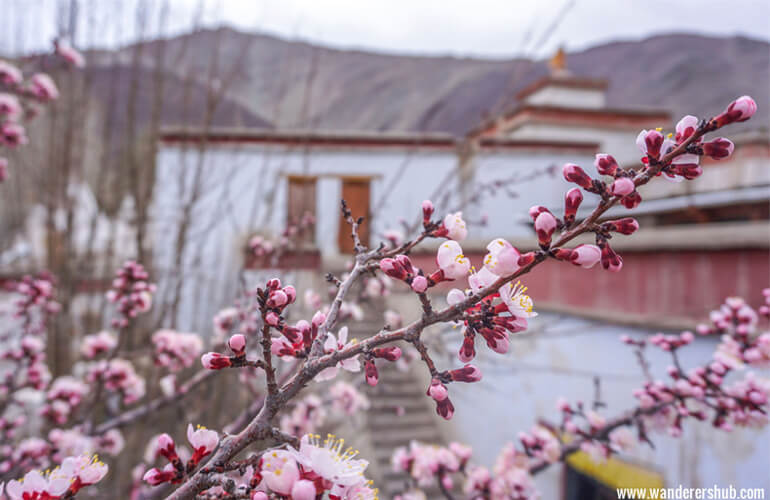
x=519, y=304
x=330, y=462
x=455, y=225
x=451, y=261
x=35, y=485
x=335, y=344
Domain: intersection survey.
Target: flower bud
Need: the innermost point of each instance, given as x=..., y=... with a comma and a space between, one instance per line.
x=627, y=225
x=631, y=201
x=719, y=148
x=215, y=361
x=468, y=373
x=650, y=142
x=445, y=409
x=622, y=187
x=370, y=371
x=237, y=343
x=739, y=110
x=427, y=210
x=685, y=128
x=303, y=490
x=536, y=210
x=572, y=201
x=437, y=390
x=526, y=259
x=545, y=225
x=419, y=284
x=393, y=269
x=689, y=171
x=272, y=318
x=467, y=349
x=605, y=164
x=586, y=256
x=277, y=299
x=406, y=263
x=388, y=353
x=573, y=173
x=610, y=260
x=291, y=293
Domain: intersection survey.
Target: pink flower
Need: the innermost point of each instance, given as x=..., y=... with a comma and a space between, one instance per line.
x=481, y=279
x=12, y=134
x=9, y=106
x=176, y=350
x=502, y=259
x=155, y=476
x=83, y=470
x=573, y=173
x=69, y=54
x=685, y=128
x=336, y=344
x=545, y=225
x=10, y=74
x=203, y=442
x=605, y=164
x=99, y=343
x=35, y=485
x=279, y=471
x=739, y=110
x=455, y=226
x=455, y=296
x=586, y=255
x=331, y=462
x=303, y=490
x=43, y=87
x=622, y=187
x=518, y=303
x=451, y=261
x=719, y=148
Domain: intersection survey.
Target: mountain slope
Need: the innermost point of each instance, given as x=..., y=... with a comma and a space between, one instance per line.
x=298, y=85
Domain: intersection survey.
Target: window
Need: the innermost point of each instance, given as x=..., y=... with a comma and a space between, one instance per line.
x=356, y=191
x=301, y=210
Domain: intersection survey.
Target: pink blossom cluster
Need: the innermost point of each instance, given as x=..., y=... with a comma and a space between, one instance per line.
x=74, y=474
x=63, y=397
x=18, y=98
x=262, y=247
x=310, y=413
x=36, y=302
x=132, y=293
x=203, y=441
x=118, y=375
x=176, y=350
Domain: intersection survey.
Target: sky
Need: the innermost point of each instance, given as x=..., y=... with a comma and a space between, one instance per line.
x=486, y=28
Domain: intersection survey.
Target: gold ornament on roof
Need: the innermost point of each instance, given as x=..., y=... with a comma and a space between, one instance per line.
x=558, y=63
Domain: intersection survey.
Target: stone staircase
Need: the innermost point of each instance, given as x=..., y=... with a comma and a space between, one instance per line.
x=389, y=431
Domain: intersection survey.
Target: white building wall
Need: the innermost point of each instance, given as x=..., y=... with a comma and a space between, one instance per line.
x=620, y=143
x=567, y=97
x=243, y=189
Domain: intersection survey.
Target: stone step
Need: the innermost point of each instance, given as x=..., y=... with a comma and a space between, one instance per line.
x=378, y=421
x=399, y=437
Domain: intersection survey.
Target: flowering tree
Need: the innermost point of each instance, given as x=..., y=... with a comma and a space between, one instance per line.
x=271, y=450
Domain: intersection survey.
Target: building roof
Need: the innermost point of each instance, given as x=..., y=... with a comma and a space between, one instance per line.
x=358, y=139
x=560, y=115
x=566, y=81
